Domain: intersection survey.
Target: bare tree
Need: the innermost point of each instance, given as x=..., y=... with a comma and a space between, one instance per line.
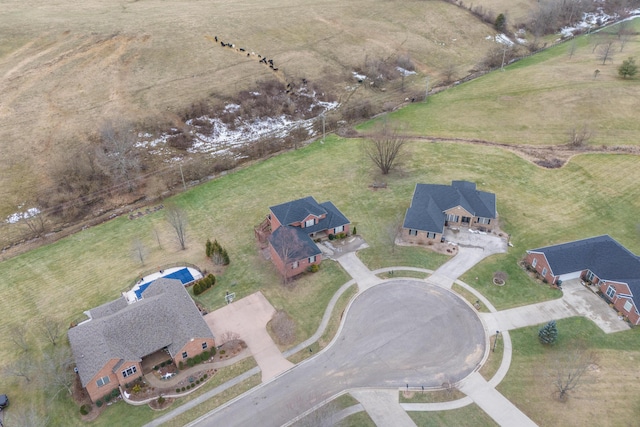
x=57, y=368
x=35, y=223
x=449, y=72
x=605, y=52
x=571, y=50
x=23, y=367
x=51, y=329
x=18, y=334
x=177, y=218
x=118, y=153
x=228, y=336
x=139, y=250
x=157, y=236
x=579, y=137
x=625, y=33
x=384, y=147
x=290, y=249
x=569, y=368
x=283, y=327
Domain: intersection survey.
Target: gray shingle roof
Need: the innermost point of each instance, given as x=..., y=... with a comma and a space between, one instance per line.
x=297, y=210
x=603, y=255
x=165, y=317
x=293, y=243
x=429, y=202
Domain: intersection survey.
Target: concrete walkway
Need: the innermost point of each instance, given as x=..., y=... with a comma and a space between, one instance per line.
x=360, y=272
x=493, y=403
x=383, y=407
x=576, y=300
x=248, y=317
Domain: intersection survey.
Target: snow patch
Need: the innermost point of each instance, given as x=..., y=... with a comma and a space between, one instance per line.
x=17, y=216
x=503, y=39
x=359, y=77
x=405, y=72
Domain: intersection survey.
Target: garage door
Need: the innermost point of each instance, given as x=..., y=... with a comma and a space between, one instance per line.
x=569, y=276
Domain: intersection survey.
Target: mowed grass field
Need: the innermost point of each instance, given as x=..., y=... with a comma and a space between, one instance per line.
x=67, y=67
x=539, y=99
x=593, y=194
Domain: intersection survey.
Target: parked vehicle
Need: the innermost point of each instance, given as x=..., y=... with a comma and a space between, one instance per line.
x=4, y=401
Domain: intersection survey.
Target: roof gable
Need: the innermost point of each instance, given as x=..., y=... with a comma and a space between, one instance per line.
x=165, y=317
x=293, y=243
x=297, y=210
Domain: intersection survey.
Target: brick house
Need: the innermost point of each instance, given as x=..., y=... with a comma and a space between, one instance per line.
x=294, y=226
x=599, y=260
x=434, y=207
x=109, y=347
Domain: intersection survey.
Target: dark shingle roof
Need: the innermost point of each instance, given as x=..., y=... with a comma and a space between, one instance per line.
x=429, y=202
x=165, y=317
x=297, y=210
x=293, y=243
x=603, y=255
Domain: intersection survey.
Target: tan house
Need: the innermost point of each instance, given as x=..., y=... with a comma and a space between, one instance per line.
x=434, y=207
x=109, y=347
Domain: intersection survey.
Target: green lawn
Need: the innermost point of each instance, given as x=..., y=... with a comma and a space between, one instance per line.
x=469, y=416
x=610, y=379
x=536, y=101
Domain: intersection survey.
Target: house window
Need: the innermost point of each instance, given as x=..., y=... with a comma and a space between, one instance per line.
x=312, y=259
x=339, y=229
x=129, y=371
x=310, y=222
x=184, y=355
x=534, y=262
x=431, y=235
x=628, y=306
x=466, y=220
x=294, y=265
x=544, y=271
x=413, y=232
x=205, y=345
x=452, y=218
x=484, y=220
x=590, y=276
x=611, y=292
x=102, y=381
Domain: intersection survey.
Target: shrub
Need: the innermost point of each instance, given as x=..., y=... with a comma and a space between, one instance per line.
x=161, y=400
x=177, y=390
x=107, y=398
x=222, y=352
x=331, y=236
x=212, y=352
x=84, y=409
x=355, y=231
x=191, y=362
x=136, y=389
x=189, y=387
x=169, y=362
x=162, y=364
x=205, y=376
x=99, y=403
x=155, y=368
x=197, y=381
x=115, y=393
x=313, y=268
x=183, y=388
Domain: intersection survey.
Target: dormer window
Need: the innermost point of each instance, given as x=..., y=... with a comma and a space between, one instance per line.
x=310, y=222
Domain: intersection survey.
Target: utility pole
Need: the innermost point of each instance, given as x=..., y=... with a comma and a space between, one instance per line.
x=504, y=52
x=495, y=341
x=323, y=127
x=426, y=93
x=182, y=175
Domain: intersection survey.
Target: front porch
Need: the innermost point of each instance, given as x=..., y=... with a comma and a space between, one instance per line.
x=155, y=359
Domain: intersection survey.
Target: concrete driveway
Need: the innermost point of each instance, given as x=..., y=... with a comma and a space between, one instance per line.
x=396, y=333
x=248, y=317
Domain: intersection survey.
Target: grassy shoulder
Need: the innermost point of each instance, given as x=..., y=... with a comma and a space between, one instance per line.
x=529, y=383
x=470, y=415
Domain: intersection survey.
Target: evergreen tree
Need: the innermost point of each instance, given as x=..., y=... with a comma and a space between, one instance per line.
x=209, y=248
x=548, y=334
x=628, y=68
x=501, y=22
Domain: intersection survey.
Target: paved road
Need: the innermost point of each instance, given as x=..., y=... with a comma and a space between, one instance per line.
x=397, y=333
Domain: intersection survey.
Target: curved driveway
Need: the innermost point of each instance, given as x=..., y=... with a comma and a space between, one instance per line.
x=396, y=333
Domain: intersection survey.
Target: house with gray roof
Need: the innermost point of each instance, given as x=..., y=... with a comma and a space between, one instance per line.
x=110, y=346
x=434, y=207
x=293, y=227
x=599, y=260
